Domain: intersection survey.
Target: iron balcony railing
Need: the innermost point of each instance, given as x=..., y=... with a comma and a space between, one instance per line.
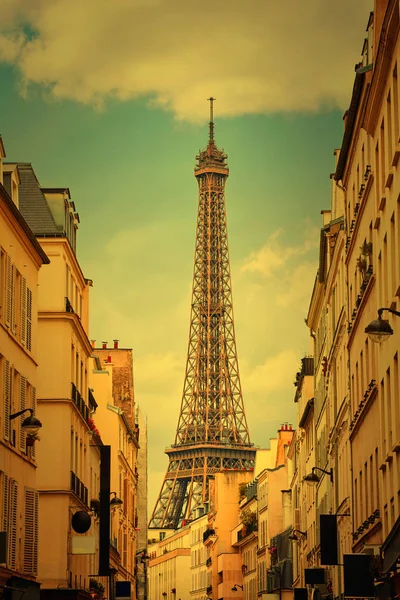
x=77, y=486
x=79, y=402
x=207, y=534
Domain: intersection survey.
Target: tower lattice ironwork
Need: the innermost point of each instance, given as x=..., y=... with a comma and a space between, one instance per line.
x=212, y=433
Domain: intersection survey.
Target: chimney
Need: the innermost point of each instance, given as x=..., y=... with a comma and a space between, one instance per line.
x=93, y=343
x=116, y=344
x=104, y=345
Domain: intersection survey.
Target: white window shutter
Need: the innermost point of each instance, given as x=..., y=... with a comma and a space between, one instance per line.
x=33, y=405
x=14, y=300
x=7, y=399
x=13, y=525
x=22, y=406
x=28, y=319
x=8, y=279
x=23, y=311
x=5, y=503
x=31, y=531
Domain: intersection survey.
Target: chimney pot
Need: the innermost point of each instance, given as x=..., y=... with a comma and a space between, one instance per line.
x=104, y=345
x=93, y=342
x=116, y=344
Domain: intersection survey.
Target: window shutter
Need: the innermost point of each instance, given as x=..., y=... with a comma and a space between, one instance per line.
x=22, y=406
x=28, y=318
x=8, y=291
x=33, y=405
x=31, y=531
x=14, y=300
x=12, y=529
x=125, y=550
x=5, y=503
x=23, y=311
x=7, y=399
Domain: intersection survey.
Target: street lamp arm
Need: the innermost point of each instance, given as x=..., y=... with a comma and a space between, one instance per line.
x=391, y=310
x=21, y=412
x=322, y=470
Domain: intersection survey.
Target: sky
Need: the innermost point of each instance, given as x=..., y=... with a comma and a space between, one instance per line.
x=109, y=99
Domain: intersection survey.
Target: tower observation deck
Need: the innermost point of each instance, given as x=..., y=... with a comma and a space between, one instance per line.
x=212, y=433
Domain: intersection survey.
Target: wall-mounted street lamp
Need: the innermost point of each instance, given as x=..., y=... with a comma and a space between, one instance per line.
x=235, y=587
x=114, y=502
x=295, y=537
x=379, y=330
x=312, y=478
x=144, y=556
x=31, y=424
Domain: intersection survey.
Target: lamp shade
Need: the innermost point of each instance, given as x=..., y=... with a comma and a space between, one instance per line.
x=31, y=425
x=379, y=330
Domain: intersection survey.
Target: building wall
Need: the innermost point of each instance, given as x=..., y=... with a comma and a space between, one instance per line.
x=115, y=431
x=198, y=556
x=19, y=270
x=170, y=567
x=64, y=476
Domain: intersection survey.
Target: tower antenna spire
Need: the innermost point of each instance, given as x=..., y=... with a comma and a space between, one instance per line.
x=211, y=101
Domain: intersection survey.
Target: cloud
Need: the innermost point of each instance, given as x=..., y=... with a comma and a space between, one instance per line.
x=272, y=288
x=258, y=56
x=271, y=375
x=274, y=255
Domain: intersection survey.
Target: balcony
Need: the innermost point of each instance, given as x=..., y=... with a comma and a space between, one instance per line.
x=76, y=486
x=207, y=534
x=246, y=531
x=68, y=306
x=79, y=402
x=91, y=399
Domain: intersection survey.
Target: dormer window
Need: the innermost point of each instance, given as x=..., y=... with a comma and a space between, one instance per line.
x=64, y=213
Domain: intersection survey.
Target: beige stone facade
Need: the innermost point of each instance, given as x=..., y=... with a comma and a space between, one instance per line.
x=115, y=430
x=21, y=259
x=368, y=172
x=353, y=427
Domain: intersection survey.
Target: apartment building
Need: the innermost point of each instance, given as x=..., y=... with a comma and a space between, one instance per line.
x=367, y=171
x=115, y=430
x=21, y=259
x=198, y=558
x=169, y=568
x=349, y=425
x=64, y=399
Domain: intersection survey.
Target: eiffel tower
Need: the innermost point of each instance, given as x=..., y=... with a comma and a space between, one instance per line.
x=212, y=433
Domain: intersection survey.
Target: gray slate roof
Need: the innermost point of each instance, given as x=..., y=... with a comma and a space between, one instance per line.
x=33, y=205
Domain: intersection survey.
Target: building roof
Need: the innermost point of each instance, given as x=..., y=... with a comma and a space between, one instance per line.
x=4, y=196
x=33, y=204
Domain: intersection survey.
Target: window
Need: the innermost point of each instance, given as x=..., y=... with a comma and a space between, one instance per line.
x=22, y=406
x=10, y=517
x=31, y=531
x=7, y=399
